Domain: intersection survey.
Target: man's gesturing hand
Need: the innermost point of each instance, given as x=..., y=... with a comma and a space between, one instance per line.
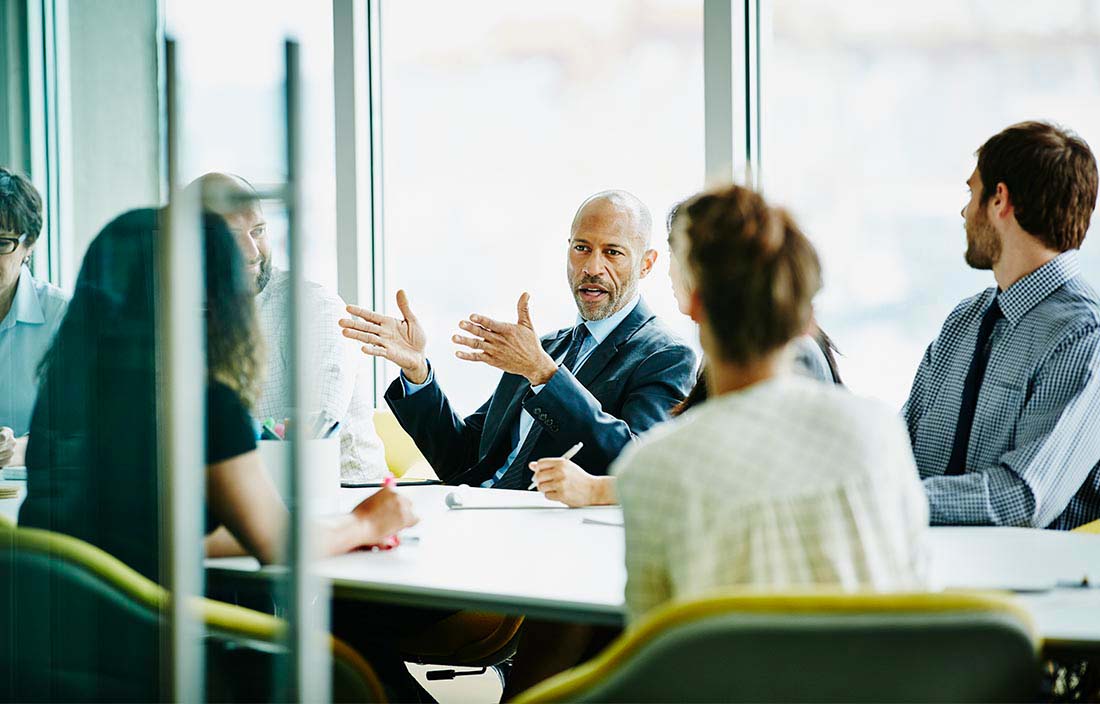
x=513, y=348
x=400, y=341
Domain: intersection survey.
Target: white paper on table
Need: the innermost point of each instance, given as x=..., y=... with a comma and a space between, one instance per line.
x=464, y=498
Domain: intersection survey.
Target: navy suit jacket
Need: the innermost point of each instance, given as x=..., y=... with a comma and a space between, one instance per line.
x=630, y=383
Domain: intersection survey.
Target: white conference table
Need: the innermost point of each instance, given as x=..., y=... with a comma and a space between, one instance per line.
x=556, y=563
x=543, y=562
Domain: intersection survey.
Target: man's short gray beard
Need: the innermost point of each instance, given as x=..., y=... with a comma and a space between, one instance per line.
x=613, y=306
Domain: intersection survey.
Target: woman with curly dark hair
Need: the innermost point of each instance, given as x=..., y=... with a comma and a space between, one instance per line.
x=93, y=456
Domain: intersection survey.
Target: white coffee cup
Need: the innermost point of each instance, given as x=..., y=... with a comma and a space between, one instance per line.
x=322, y=472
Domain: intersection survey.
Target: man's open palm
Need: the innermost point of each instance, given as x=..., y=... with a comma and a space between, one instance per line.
x=400, y=341
x=510, y=347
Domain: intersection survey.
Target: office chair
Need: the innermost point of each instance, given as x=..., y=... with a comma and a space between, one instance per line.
x=814, y=647
x=1093, y=527
x=402, y=456
x=82, y=626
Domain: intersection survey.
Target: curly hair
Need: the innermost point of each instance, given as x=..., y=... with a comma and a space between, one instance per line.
x=111, y=322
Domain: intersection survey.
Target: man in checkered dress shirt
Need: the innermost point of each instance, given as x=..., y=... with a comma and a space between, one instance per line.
x=1029, y=453
x=336, y=370
x=334, y=365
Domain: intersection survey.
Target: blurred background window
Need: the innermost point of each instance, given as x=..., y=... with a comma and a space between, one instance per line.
x=871, y=117
x=231, y=60
x=499, y=118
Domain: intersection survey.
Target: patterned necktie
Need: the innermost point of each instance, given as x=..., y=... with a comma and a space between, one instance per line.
x=518, y=475
x=974, y=377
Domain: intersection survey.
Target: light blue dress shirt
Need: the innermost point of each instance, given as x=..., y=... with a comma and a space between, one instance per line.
x=25, y=334
x=598, y=331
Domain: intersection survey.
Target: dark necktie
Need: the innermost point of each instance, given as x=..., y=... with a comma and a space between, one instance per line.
x=580, y=334
x=518, y=475
x=974, y=377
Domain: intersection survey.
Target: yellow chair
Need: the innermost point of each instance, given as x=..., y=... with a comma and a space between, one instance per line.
x=49, y=579
x=1093, y=527
x=402, y=456
x=814, y=646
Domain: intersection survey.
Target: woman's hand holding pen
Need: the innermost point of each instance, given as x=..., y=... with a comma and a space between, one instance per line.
x=561, y=480
x=383, y=514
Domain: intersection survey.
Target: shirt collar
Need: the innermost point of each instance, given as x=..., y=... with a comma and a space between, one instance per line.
x=1029, y=291
x=600, y=329
x=26, y=306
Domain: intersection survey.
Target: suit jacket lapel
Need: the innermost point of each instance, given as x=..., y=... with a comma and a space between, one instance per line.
x=609, y=347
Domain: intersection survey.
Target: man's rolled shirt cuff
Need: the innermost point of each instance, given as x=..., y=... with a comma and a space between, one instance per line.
x=411, y=388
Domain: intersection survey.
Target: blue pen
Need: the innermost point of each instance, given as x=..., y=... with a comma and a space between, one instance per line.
x=333, y=429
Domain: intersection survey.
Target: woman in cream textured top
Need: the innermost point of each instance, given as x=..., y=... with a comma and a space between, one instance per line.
x=776, y=482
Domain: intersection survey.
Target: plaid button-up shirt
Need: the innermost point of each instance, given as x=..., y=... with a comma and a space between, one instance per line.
x=335, y=370
x=1034, y=448
x=786, y=484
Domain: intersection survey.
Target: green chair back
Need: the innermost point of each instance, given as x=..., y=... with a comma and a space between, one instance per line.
x=78, y=625
x=815, y=648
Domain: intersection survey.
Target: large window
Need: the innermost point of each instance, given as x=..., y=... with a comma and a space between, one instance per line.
x=873, y=112
x=499, y=118
x=232, y=70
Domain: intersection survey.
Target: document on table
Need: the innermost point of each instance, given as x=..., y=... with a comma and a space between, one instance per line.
x=1018, y=559
x=465, y=498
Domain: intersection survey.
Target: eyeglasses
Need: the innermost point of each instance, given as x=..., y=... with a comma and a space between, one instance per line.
x=10, y=244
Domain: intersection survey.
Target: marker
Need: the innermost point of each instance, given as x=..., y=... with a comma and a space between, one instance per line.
x=267, y=430
x=569, y=454
x=332, y=431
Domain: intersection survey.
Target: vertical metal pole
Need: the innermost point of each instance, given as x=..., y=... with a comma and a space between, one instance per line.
x=374, y=113
x=752, y=92
x=63, y=261
x=310, y=669
x=14, y=84
x=718, y=89
x=164, y=185
x=51, y=143
x=181, y=426
x=36, y=109
x=351, y=92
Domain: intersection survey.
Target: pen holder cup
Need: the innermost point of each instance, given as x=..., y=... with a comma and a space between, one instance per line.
x=322, y=472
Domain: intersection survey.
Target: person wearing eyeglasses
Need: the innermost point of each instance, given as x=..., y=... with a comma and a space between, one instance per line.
x=30, y=312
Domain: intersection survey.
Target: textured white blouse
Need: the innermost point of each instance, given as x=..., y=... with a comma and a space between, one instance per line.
x=786, y=484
